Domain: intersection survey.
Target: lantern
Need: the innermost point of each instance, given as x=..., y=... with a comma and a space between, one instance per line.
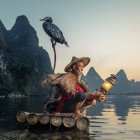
x=109, y=82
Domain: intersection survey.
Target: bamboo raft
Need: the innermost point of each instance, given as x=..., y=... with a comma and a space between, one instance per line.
x=66, y=120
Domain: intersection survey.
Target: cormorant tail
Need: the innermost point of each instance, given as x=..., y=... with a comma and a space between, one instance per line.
x=66, y=43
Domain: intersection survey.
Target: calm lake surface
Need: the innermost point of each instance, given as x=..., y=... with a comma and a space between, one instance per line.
x=118, y=118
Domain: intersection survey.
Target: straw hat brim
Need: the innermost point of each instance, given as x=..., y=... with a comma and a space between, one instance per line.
x=85, y=61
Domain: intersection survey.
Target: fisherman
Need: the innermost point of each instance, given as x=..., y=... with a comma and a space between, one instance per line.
x=75, y=96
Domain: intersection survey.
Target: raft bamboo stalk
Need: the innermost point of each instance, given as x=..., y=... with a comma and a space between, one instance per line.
x=44, y=118
x=32, y=118
x=82, y=123
x=56, y=120
x=69, y=122
x=21, y=116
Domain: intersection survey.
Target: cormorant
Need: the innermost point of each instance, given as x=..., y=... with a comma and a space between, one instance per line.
x=55, y=34
x=53, y=31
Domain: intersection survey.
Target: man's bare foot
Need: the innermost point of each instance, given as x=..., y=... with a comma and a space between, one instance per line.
x=78, y=114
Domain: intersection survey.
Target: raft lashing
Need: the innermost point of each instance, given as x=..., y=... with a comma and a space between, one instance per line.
x=68, y=120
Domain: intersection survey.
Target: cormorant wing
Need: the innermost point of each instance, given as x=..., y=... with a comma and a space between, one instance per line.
x=54, y=32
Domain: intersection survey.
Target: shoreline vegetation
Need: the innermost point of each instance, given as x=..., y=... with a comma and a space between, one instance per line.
x=15, y=95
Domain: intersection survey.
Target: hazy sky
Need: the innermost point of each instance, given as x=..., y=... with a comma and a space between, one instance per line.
x=108, y=31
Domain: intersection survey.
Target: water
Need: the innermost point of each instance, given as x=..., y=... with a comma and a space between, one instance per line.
x=115, y=119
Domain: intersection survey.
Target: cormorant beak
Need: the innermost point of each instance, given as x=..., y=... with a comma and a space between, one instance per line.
x=41, y=19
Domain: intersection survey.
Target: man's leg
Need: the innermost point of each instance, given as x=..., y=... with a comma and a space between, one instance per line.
x=74, y=104
x=80, y=99
x=78, y=108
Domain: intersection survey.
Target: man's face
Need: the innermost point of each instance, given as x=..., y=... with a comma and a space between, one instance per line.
x=78, y=68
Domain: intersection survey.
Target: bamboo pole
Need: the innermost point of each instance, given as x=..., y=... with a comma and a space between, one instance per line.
x=69, y=122
x=56, y=120
x=21, y=116
x=32, y=118
x=44, y=118
x=82, y=123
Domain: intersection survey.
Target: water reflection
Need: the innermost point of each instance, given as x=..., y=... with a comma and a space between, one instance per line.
x=38, y=135
x=116, y=118
x=122, y=105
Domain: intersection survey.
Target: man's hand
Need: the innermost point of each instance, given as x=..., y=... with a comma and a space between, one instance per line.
x=100, y=96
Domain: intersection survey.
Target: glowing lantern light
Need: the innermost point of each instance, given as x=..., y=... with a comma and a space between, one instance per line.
x=109, y=82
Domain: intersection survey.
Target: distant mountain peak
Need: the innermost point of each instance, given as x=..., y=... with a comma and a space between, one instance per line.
x=22, y=20
x=21, y=23
x=91, y=69
x=93, y=79
x=23, y=33
x=121, y=74
x=121, y=71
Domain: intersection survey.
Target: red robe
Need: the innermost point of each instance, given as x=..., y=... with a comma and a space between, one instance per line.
x=66, y=97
